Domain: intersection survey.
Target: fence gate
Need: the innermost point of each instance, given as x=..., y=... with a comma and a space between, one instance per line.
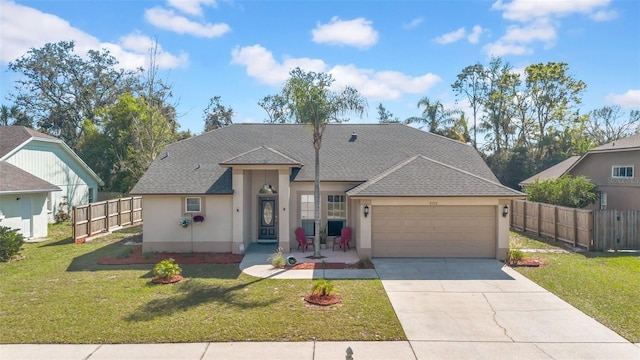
x=616, y=230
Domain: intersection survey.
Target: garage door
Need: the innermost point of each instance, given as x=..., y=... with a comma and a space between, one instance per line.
x=434, y=231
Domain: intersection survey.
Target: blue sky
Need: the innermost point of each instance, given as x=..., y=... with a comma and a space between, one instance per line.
x=393, y=52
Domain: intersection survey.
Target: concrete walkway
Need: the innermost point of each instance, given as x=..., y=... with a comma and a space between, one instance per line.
x=480, y=309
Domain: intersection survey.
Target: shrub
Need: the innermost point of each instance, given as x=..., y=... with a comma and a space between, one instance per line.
x=364, y=263
x=166, y=269
x=10, y=243
x=515, y=253
x=575, y=192
x=277, y=260
x=322, y=287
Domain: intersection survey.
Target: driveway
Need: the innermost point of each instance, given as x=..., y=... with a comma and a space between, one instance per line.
x=476, y=308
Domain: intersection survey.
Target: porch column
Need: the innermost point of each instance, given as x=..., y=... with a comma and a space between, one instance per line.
x=238, y=209
x=365, y=230
x=503, y=230
x=284, y=208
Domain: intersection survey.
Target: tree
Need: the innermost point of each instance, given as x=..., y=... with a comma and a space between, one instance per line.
x=276, y=108
x=458, y=130
x=605, y=125
x=217, y=115
x=471, y=83
x=385, y=116
x=13, y=116
x=575, y=192
x=308, y=100
x=60, y=89
x=499, y=104
x=434, y=116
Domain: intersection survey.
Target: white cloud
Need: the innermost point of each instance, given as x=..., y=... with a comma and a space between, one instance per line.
x=628, y=100
x=18, y=35
x=375, y=85
x=525, y=10
x=191, y=7
x=357, y=33
x=604, y=15
x=474, y=37
x=413, y=23
x=539, y=30
x=451, y=37
x=499, y=48
x=169, y=20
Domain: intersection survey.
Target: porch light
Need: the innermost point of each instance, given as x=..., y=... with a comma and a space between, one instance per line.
x=366, y=210
x=505, y=211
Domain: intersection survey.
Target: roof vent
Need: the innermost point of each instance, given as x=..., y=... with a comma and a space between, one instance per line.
x=166, y=154
x=354, y=136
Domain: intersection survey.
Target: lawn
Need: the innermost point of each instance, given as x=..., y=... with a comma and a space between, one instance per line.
x=605, y=286
x=58, y=294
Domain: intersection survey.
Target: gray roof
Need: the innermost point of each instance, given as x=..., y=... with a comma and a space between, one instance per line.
x=13, y=136
x=16, y=180
x=192, y=166
x=421, y=176
x=553, y=172
x=261, y=155
x=630, y=142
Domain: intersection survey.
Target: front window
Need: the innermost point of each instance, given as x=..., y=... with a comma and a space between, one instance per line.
x=307, y=215
x=336, y=214
x=192, y=204
x=622, y=172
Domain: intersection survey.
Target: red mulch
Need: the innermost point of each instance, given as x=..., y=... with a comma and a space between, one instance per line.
x=322, y=300
x=529, y=262
x=136, y=257
x=174, y=279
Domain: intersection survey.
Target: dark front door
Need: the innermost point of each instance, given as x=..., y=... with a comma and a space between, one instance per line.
x=268, y=220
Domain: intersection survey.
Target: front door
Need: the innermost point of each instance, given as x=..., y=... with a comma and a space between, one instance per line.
x=267, y=231
x=25, y=210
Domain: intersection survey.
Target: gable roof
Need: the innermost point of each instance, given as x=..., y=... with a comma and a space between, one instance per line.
x=13, y=138
x=553, y=172
x=349, y=153
x=261, y=155
x=421, y=176
x=14, y=180
x=629, y=143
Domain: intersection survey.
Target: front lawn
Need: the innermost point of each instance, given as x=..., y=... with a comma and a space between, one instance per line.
x=605, y=286
x=58, y=294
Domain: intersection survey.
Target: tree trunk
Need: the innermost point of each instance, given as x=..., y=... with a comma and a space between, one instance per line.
x=316, y=204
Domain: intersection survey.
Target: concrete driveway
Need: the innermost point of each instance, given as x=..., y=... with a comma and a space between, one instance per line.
x=476, y=308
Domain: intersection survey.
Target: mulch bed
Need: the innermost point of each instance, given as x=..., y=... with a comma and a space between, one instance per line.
x=529, y=262
x=174, y=279
x=322, y=300
x=136, y=257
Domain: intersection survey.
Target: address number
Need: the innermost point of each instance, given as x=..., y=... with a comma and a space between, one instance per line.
x=433, y=203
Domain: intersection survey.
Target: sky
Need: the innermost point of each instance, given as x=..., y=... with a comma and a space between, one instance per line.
x=392, y=52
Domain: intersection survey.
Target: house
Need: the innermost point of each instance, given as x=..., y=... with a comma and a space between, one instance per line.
x=404, y=192
x=51, y=160
x=23, y=201
x=612, y=167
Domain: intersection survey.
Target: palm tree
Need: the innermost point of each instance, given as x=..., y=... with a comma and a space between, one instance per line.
x=310, y=102
x=434, y=115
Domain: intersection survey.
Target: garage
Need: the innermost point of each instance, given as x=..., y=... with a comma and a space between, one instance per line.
x=434, y=231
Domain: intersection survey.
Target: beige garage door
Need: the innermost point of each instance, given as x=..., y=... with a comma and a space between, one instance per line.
x=434, y=231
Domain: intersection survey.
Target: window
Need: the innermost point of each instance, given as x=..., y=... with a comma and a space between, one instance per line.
x=307, y=215
x=192, y=204
x=336, y=214
x=622, y=172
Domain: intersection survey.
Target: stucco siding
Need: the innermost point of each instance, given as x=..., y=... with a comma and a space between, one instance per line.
x=11, y=209
x=162, y=233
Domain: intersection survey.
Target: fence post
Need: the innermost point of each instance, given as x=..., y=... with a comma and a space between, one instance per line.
x=524, y=216
x=590, y=245
x=73, y=224
x=539, y=219
x=555, y=223
x=575, y=227
x=89, y=218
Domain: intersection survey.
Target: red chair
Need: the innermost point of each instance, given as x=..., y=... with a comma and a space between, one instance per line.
x=303, y=240
x=343, y=239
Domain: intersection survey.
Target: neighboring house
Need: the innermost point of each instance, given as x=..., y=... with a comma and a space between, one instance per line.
x=612, y=167
x=23, y=201
x=403, y=191
x=51, y=160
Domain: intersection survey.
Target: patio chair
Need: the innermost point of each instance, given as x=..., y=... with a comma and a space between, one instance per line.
x=343, y=239
x=303, y=240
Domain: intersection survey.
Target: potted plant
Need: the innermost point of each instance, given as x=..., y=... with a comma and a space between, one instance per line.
x=184, y=222
x=323, y=238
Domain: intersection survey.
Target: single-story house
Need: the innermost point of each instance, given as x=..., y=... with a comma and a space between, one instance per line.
x=612, y=167
x=51, y=160
x=404, y=192
x=23, y=201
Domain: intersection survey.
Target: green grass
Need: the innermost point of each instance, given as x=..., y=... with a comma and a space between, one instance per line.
x=57, y=294
x=531, y=242
x=605, y=286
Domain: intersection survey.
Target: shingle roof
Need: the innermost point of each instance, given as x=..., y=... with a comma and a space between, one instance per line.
x=12, y=136
x=553, y=172
x=261, y=155
x=192, y=166
x=629, y=142
x=421, y=176
x=16, y=180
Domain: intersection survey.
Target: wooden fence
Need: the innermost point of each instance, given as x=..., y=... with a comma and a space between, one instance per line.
x=102, y=216
x=597, y=230
x=571, y=226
